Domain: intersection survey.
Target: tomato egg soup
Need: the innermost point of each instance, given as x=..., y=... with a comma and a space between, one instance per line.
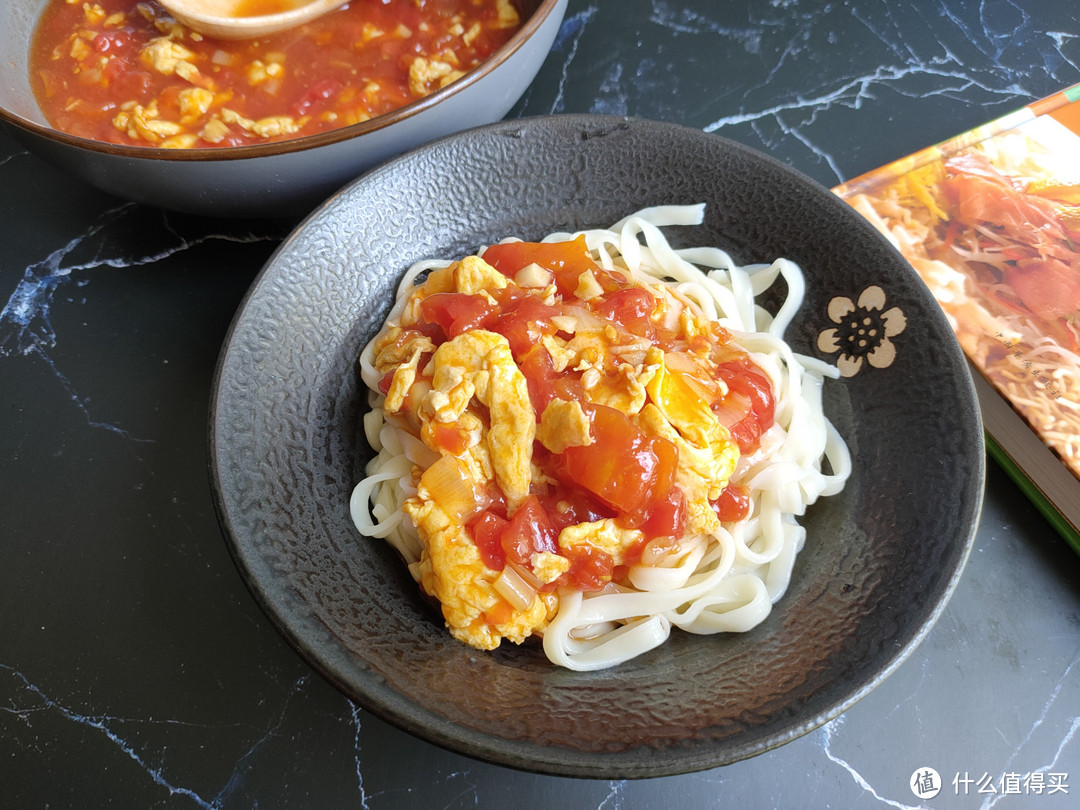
x=126, y=72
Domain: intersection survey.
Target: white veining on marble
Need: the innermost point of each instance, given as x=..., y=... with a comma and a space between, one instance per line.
x=101, y=723
x=27, y=700
x=827, y=732
x=914, y=61
x=1060, y=40
x=1066, y=679
x=355, y=715
x=568, y=40
x=679, y=20
x=26, y=324
x=613, y=801
x=5, y=160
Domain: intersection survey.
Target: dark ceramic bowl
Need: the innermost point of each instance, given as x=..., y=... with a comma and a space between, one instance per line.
x=881, y=558
x=285, y=178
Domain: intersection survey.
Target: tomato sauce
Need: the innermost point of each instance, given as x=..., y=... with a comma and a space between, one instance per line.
x=123, y=71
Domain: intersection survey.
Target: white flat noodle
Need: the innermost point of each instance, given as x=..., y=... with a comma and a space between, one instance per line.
x=663, y=216
x=368, y=373
x=724, y=583
x=625, y=642
x=796, y=293
x=661, y=578
x=708, y=257
x=373, y=428
x=738, y=605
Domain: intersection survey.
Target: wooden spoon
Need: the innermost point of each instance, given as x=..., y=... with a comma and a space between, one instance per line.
x=243, y=19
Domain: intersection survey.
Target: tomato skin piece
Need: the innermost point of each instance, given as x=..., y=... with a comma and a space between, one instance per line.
x=386, y=381
x=540, y=376
x=569, y=506
x=571, y=256
x=524, y=322
x=114, y=42
x=733, y=504
x=749, y=409
x=316, y=97
x=458, y=313
x=450, y=439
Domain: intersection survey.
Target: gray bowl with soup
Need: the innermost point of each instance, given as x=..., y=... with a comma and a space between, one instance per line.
x=251, y=160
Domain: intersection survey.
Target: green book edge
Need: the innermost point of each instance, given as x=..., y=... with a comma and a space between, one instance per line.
x=1034, y=494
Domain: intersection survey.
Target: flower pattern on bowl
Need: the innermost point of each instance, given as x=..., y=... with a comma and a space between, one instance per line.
x=863, y=331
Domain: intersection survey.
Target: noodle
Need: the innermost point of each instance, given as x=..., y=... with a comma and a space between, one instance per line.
x=721, y=581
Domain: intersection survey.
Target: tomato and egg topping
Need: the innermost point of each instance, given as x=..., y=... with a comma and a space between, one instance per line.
x=582, y=423
x=126, y=72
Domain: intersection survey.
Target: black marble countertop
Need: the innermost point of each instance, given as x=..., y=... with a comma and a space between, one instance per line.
x=137, y=671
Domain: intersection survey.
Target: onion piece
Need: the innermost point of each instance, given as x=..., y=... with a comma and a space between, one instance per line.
x=451, y=487
x=513, y=587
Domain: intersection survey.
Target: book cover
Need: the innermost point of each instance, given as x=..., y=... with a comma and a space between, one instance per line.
x=990, y=220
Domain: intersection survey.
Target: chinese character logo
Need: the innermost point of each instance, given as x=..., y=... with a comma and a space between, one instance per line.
x=925, y=783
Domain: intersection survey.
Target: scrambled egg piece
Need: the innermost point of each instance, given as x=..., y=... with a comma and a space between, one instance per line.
x=428, y=75
x=479, y=365
x=473, y=276
x=475, y=368
x=712, y=454
x=605, y=535
x=508, y=15
x=564, y=424
x=165, y=56
x=194, y=102
x=452, y=572
x=143, y=122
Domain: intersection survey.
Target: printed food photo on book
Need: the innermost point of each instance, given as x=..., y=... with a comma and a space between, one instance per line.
x=991, y=222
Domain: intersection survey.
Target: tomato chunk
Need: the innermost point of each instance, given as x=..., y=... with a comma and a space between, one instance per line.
x=631, y=308
x=458, y=313
x=567, y=260
x=590, y=568
x=540, y=376
x=529, y=532
x=487, y=530
x=749, y=408
x=317, y=97
x=524, y=323
x=733, y=504
x=667, y=517
x=625, y=468
x=570, y=505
